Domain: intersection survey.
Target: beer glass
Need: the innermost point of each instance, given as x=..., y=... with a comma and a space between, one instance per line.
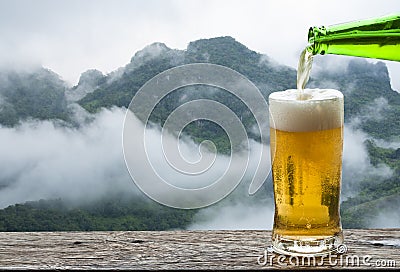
x=306, y=151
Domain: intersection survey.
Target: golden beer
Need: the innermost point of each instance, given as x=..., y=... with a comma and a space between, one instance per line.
x=306, y=148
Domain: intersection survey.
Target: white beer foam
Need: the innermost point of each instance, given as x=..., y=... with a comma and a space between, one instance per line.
x=319, y=109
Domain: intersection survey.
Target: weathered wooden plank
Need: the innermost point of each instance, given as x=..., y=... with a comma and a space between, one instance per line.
x=183, y=250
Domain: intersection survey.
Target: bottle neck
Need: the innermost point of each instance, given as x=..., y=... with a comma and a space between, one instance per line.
x=373, y=38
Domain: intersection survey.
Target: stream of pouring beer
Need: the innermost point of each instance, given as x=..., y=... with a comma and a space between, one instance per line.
x=303, y=71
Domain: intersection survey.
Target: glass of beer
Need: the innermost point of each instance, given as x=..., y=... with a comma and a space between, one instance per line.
x=306, y=151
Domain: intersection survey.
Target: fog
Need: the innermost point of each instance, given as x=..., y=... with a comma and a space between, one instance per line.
x=50, y=159
x=387, y=219
x=356, y=163
x=237, y=216
x=74, y=36
x=46, y=159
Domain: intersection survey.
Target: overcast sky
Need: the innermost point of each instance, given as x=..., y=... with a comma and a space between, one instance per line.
x=71, y=36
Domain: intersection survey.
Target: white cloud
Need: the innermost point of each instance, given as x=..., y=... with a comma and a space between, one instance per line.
x=72, y=36
x=41, y=159
x=387, y=219
x=238, y=216
x=356, y=163
x=46, y=159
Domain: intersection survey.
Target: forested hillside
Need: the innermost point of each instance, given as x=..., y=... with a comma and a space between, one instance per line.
x=371, y=106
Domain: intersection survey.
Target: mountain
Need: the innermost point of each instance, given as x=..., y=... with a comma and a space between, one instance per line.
x=38, y=94
x=110, y=213
x=41, y=94
x=157, y=58
x=368, y=96
x=371, y=106
x=88, y=82
x=364, y=84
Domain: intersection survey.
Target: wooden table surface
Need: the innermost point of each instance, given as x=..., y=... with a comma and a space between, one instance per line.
x=372, y=248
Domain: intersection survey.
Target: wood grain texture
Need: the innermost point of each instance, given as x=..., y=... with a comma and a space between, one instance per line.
x=181, y=250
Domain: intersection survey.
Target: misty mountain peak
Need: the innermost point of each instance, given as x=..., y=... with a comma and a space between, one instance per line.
x=38, y=93
x=219, y=45
x=150, y=52
x=224, y=51
x=360, y=65
x=30, y=79
x=375, y=72
x=218, y=41
x=88, y=82
x=90, y=77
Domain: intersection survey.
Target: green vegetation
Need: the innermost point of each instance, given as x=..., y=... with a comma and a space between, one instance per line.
x=365, y=214
x=225, y=51
x=375, y=196
x=366, y=88
x=389, y=156
x=39, y=94
x=113, y=213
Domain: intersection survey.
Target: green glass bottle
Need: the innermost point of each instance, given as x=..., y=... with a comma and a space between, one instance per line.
x=373, y=38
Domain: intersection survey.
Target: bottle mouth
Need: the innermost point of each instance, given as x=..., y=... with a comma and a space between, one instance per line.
x=314, y=35
x=311, y=34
